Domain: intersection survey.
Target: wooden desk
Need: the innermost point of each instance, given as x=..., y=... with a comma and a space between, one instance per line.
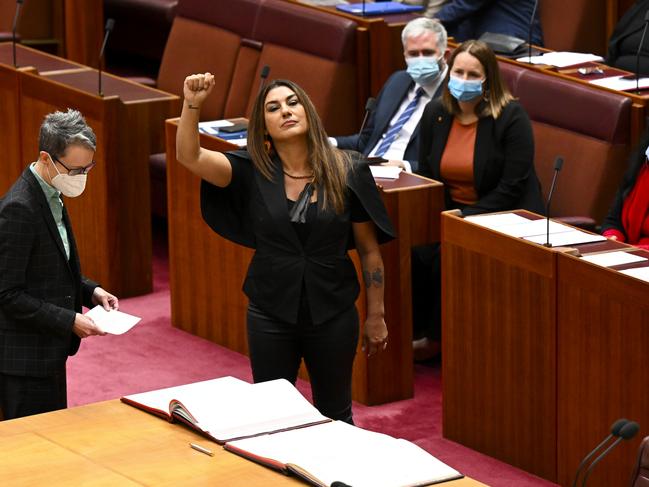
x=557, y=349
x=110, y=443
x=112, y=219
x=207, y=272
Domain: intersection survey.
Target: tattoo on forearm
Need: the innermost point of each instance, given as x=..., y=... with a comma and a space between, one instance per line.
x=374, y=277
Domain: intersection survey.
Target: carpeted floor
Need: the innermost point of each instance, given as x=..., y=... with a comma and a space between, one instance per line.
x=155, y=355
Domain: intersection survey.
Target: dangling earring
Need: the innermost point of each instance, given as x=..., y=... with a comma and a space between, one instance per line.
x=267, y=146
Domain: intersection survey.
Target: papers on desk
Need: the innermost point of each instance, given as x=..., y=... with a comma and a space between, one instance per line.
x=561, y=59
x=212, y=127
x=385, y=172
x=534, y=230
x=609, y=259
x=573, y=237
x=620, y=84
x=113, y=322
x=641, y=273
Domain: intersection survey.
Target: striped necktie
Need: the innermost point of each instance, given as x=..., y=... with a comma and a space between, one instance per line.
x=394, y=130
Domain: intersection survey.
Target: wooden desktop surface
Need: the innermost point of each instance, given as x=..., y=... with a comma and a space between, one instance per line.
x=109, y=443
x=557, y=349
x=207, y=273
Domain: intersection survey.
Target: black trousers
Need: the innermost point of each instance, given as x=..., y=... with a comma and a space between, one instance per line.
x=23, y=396
x=328, y=349
x=426, y=274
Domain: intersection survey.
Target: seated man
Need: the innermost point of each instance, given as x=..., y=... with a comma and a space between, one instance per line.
x=624, y=42
x=392, y=129
x=469, y=19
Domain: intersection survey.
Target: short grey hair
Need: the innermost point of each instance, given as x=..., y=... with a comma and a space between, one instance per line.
x=421, y=25
x=63, y=129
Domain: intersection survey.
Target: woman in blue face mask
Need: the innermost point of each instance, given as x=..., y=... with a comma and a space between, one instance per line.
x=478, y=141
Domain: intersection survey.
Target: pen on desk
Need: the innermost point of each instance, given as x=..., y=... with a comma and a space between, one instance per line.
x=201, y=449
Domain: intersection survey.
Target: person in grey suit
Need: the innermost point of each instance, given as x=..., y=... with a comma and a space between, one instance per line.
x=392, y=129
x=41, y=285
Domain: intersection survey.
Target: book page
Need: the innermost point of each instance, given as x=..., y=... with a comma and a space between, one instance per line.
x=260, y=408
x=572, y=237
x=609, y=259
x=494, y=222
x=337, y=451
x=160, y=399
x=641, y=273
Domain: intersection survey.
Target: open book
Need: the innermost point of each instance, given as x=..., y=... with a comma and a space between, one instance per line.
x=336, y=451
x=227, y=408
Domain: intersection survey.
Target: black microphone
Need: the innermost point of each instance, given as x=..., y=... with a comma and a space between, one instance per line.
x=265, y=71
x=627, y=432
x=110, y=23
x=338, y=483
x=558, y=164
x=529, y=34
x=369, y=108
x=19, y=4
x=637, y=54
x=615, y=431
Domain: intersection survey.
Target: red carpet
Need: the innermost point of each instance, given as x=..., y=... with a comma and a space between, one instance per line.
x=155, y=355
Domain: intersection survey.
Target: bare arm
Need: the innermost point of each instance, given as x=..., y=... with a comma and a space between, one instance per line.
x=375, y=331
x=211, y=166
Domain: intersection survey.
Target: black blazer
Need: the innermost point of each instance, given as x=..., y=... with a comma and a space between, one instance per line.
x=253, y=211
x=40, y=289
x=503, y=164
x=387, y=104
x=625, y=39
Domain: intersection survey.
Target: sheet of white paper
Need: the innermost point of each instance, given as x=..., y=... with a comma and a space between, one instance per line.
x=562, y=239
x=617, y=83
x=239, y=142
x=641, y=273
x=113, y=322
x=385, y=172
x=212, y=126
x=609, y=259
x=562, y=59
x=494, y=222
x=534, y=227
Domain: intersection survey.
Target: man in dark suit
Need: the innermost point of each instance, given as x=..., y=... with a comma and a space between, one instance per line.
x=41, y=286
x=469, y=19
x=392, y=129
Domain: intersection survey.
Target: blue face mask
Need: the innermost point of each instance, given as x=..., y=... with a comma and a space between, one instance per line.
x=465, y=90
x=424, y=70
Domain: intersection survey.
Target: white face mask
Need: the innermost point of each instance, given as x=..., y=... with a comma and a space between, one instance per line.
x=70, y=186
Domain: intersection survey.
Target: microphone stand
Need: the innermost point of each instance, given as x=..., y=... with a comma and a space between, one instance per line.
x=558, y=163
x=110, y=23
x=637, y=55
x=529, y=34
x=19, y=4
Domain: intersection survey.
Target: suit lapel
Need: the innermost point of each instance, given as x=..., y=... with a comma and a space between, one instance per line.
x=46, y=212
x=393, y=101
x=441, y=127
x=483, y=143
x=274, y=196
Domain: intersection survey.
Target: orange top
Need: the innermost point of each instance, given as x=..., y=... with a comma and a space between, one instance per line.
x=456, y=167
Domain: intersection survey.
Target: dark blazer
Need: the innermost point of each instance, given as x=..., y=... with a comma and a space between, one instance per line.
x=469, y=19
x=40, y=289
x=387, y=104
x=253, y=211
x=503, y=164
x=624, y=42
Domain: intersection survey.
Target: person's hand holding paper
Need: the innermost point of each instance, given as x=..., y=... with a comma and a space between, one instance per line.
x=113, y=321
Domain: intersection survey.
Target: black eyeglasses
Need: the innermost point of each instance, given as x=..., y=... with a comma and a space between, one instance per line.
x=75, y=171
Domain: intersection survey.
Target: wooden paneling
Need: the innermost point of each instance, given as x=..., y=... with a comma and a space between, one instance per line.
x=499, y=346
x=111, y=220
x=84, y=30
x=207, y=272
x=9, y=128
x=603, y=332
